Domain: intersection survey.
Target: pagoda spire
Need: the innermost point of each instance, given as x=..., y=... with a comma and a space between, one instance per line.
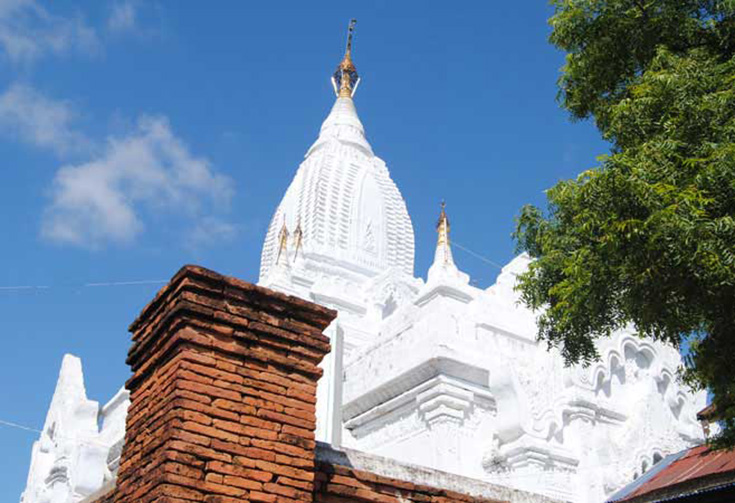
x=444, y=269
x=345, y=78
x=443, y=254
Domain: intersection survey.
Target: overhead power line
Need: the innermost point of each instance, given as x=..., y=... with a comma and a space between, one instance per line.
x=20, y=288
x=103, y=284
x=476, y=255
x=19, y=426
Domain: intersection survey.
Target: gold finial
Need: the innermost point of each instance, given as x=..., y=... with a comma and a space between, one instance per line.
x=282, y=243
x=298, y=238
x=350, y=30
x=443, y=228
x=345, y=78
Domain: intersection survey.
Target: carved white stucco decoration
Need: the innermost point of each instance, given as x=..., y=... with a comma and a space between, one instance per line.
x=451, y=376
x=74, y=456
x=456, y=380
x=351, y=212
x=436, y=373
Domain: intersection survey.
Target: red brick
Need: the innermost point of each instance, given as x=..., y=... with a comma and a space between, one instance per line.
x=232, y=480
x=220, y=365
x=262, y=497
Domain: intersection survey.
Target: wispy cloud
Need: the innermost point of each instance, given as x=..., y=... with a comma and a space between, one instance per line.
x=123, y=16
x=110, y=190
x=210, y=231
x=105, y=200
x=33, y=118
x=29, y=31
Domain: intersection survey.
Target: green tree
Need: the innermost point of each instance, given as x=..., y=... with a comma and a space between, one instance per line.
x=648, y=236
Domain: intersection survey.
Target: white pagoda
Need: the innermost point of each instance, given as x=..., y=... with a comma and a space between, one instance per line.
x=433, y=372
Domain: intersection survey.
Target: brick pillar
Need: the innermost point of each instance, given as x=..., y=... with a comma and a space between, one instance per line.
x=223, y=394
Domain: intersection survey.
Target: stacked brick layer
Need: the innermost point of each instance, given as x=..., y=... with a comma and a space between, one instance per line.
x=342, y=484
x=223, y=394
x=106, y=498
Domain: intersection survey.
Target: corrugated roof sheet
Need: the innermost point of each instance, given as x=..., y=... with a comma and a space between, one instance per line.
x=685, y=466
x=623, y=493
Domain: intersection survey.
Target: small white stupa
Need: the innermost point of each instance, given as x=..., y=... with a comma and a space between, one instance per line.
x=74, y=456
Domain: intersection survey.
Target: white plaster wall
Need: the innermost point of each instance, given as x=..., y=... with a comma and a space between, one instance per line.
x=510, y=412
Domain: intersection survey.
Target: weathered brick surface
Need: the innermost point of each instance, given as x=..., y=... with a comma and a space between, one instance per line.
x=342, y=484
x=108, y=497
x=223, y=394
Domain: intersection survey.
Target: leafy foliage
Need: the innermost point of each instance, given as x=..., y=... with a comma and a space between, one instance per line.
x=648, y=236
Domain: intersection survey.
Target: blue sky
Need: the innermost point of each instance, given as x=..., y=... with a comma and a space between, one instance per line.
x=139, y=136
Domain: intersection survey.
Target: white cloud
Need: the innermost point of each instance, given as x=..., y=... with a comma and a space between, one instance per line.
x=106, y=200
x=38, y=120
x=210, y=231
x=28, y=31
x=123, y=17
x=125, y=183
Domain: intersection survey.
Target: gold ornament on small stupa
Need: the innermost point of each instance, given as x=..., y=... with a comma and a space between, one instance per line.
x=442, y=229
x=298, y=238
x=282, y=243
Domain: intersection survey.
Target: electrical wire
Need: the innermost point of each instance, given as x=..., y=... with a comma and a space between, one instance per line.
x=40, y=432
x=475, y=254
x=19, y=426
x=20, y=288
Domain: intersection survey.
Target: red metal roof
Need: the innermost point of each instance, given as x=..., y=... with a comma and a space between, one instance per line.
x=696, y=463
